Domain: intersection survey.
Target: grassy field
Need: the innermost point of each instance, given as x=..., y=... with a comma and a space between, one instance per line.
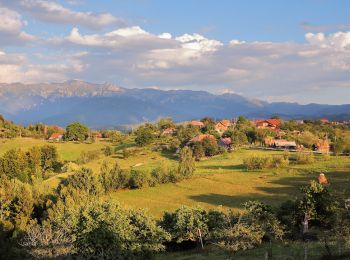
x=223, y=182
x=220, y=181
x=69, y=151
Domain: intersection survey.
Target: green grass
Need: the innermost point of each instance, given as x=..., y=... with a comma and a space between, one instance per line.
x=220, y=181
x=280, y=251
x=68, y=151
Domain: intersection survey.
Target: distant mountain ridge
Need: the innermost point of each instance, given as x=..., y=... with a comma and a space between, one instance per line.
x=101, y=105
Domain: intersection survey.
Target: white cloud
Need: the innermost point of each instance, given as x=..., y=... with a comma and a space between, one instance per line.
x=337, y=41
x=11, y=28
x=53, y=12
x=198, y=42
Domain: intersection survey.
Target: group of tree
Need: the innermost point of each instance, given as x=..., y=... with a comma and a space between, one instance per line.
x=30, y=166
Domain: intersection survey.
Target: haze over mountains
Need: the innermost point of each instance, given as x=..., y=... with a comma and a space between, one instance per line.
x=107, y=105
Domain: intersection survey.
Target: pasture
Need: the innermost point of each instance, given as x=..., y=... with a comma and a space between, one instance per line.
x=220, y=181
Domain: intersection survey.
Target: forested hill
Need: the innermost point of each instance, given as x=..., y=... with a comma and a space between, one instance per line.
x=100, y=105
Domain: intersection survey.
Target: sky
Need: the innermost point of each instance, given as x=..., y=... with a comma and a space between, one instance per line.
x=290, y=51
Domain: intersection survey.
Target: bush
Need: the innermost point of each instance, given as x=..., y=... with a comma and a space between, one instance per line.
x=279, y=161
x=107, y=151
x=184, y=223
x=88, y=156
x=304, y=158
x=140, y=179
x=257, y=162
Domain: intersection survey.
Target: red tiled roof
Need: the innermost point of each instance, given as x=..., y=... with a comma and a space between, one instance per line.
x=275, y=122
x=56, y=136
x=197, y=123
x=223, y=125
x=201, y=137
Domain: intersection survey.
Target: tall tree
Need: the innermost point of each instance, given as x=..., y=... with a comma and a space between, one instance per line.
x=186, y=162
x=76, y=131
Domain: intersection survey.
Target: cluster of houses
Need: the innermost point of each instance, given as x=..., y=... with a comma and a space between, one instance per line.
x=221, y=126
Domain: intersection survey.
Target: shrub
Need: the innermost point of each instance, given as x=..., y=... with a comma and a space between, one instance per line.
x=279, y=161
x=107, y=151
x=326, y=157
x=183, y=224
x=70, y=167
x=88, y=156
x=140, y=179
x=257, y=162
x=304, y=158
x=113, y=179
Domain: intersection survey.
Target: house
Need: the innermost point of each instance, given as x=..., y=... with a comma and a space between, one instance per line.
x=322, y=146
x=202, y=137
x=197, y=123
x=57, y=137
x=223, y=126
x=225, y=142
x=268, y=123
x=281, y=144
x=169, y=131
x=324, y=121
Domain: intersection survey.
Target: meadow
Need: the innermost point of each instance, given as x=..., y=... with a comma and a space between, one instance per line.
x=219, y=182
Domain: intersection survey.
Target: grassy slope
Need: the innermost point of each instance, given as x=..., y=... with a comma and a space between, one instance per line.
x=222, y=182
x=219, y=181
x=67, y=151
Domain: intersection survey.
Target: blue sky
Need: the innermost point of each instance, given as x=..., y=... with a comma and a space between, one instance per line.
x=295, y=51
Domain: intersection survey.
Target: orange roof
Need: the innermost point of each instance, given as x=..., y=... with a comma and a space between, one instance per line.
x=324, y=121
x=56, y=136
x=197, y=123
x=274, y=122
x=201, y=137
x=223, y=125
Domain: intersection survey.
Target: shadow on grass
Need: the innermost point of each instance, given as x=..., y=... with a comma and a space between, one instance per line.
x=169, y=155
x=286, y=188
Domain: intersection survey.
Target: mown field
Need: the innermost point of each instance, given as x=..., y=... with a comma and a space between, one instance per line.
x=220, y=181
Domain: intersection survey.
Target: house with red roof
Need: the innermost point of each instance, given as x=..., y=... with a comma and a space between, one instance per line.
x=56, y=137
x=268, y=123
x=223, y=126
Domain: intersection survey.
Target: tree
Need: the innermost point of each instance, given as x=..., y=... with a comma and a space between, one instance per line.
x=107, y=231
x=210, y=147
x=239, y=139
x=339, y=146
x=76, y=131
x=240, y=237
x=198, y=150
x=113, y=179
x=187, y=133
x=184, y=223
x=186, y=163
x=49, y=157
x=165, y=123
x=14, y=165
x=34, y=157
x=145, y=134
x=107, y=151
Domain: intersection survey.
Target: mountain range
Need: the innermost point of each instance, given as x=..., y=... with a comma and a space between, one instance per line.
x=107, y=105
